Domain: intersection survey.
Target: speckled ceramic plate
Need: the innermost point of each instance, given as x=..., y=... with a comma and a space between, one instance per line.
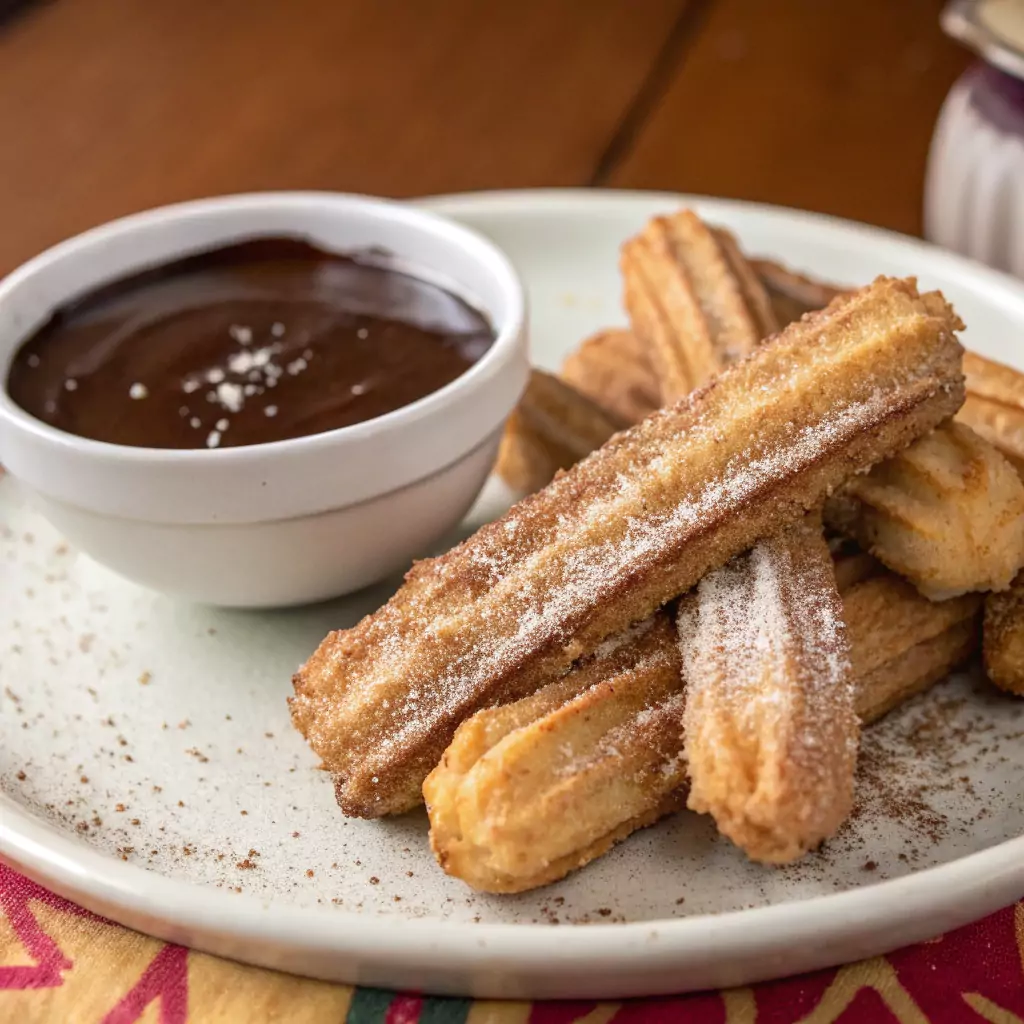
x=148, y=769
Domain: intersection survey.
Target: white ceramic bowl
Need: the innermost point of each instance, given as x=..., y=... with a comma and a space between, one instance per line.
x=292, y=521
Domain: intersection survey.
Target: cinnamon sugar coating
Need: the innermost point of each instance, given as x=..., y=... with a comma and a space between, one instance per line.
x=532, y=790
x=631, y=527
x=692, y=300
x=770, y=730
x=947, y=514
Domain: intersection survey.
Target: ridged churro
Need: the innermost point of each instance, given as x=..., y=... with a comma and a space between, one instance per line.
x=885, y=617
x=995, y=406
x=688, y=304
x=947, y=513
x=612, y=369
x=770, y=730
x=552, y=428
x=629, y=528
x=901, y=643
x=755, y=296
x=793, y=294
x=1003, y=638
x=916, y=670
x=530, y=791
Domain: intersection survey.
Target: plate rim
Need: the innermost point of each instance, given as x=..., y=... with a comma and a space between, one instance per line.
x=501, y=960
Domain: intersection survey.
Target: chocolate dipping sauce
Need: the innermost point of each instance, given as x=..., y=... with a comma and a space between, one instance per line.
x=254, y=342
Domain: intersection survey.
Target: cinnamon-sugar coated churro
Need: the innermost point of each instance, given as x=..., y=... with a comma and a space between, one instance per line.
x=612, y=369
x=530, y=791
x=770, y=729
x=688, y=304
x=1003, y=638
x=552, y=428
x=994, y=406
x=947, y=513
x=631, y=527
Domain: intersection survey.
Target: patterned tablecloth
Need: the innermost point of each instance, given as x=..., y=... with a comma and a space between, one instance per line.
x=59, y=963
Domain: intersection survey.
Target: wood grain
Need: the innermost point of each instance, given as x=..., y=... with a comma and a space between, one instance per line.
x=109, y=106
x=824, y=106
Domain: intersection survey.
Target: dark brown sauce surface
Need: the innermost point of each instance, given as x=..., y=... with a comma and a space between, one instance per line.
x=254, y=342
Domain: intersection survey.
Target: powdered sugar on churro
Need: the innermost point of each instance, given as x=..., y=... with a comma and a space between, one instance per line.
x=586, y=574
x=749, y=615
x=771, y=732
x=644, y=743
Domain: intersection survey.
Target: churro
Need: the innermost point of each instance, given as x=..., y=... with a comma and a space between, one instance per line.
x=552, y=428
x=755, y=296
x=995, y=406
x=793, y=294
x=1003, y=638
x=612, y=369
x=770, y=730
x=916, y=670
x=687, y=303
x=530, y=791
x=901, y=643
x=947, y=513
x=629, y=528
x=885, y=617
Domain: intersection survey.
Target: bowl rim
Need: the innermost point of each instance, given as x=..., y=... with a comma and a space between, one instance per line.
x=505, y=335
x=315, y=473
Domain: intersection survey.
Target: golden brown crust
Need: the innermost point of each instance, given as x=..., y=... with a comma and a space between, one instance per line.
x=793, y=294
x=519, y=798
x=552, y=428
x=530, y=791
x=770, y=730
x=885, y=616
x=612, y=369
x=995, y=406
x=947, y=514
x=629, y=528
x=688, y=295
x=915, y=670
x=1003, y=638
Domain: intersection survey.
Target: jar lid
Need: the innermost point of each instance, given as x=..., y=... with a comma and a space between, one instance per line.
x=994, y=29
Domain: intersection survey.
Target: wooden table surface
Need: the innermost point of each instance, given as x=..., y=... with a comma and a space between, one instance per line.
x=110, y=106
